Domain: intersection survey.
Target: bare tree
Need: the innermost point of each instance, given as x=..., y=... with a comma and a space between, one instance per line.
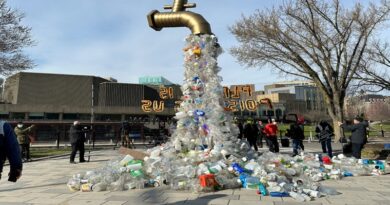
x=374, y=75
x=313, y=39
x=13, y=38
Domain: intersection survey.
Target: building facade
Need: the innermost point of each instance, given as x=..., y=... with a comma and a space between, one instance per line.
x=56, y=99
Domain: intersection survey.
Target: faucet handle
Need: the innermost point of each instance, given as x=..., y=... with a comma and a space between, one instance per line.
x=190, y=5
x=185, y=6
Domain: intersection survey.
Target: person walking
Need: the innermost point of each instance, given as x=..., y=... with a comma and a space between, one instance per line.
x=250, y=133
x=324, y=134
x=297, y=135
x=23, y=140
x=270, y=131
x=9, y=149
x=77, y=139
x=359, y=135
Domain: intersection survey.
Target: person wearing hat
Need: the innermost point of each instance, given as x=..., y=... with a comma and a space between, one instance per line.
x=23, y=140
x=77, y=139
x=359, y=135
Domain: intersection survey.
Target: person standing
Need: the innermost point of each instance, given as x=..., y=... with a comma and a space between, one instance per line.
x=270, y=131
x=250, y=133
x=240, y=128
x=359, y=135
x=77, y=139
x=125, y=131
x=23, y=140
x=260, y=127
x=324, y=133
x=297, y=135
x=9, y=149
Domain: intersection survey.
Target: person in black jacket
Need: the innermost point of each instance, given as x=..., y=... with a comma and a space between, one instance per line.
x=250, y=133
x=359, y=135
x=9, y=149
x=297, y=135
x=77, y=139
x=324, y=133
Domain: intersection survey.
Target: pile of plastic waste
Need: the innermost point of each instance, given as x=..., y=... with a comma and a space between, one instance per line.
x=204, y=153
x=276, y=175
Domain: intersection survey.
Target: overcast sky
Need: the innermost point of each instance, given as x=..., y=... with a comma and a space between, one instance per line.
x=111, y=38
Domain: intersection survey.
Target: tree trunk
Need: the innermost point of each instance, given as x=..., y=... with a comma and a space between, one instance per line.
x=336, y=113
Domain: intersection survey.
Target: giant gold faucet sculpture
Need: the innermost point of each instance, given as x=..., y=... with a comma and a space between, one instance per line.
x=179, y=17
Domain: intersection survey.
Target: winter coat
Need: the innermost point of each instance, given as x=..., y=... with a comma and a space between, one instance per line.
x=250, y=132
x=324, y=131
x=9, y=147
x=359, y=132
x=271, y=130
x=76, y=135
x=296, y=132
x=21, y=134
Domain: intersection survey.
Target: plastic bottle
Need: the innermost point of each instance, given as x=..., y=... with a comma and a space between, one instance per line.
x=237, y=168
x=328, y=190
x=312, y=193
x=279, y=194
x=297, y=196
x=126, y=160
x=262, y=189
x=99, y=187
x=347, y=174
x=252, y=182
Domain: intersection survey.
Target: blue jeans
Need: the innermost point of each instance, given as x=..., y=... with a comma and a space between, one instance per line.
x=327, y=147
x=297, y=144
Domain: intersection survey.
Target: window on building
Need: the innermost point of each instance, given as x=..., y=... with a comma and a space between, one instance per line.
x=270, y=113
x=279, y=112
x=52, y=116
x=70, y=116
x=107, y=117
x=36, y=116
x=18, y=115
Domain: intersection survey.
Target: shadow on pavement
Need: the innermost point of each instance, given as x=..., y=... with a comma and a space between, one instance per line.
x=201, y=200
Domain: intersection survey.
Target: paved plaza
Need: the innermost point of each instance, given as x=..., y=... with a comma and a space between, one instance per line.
x=44, y=182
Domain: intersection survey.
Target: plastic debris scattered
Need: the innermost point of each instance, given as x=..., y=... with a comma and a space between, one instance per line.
x=204, y=153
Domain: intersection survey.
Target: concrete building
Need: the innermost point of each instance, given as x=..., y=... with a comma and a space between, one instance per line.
x=41, y=98
x=286, y=97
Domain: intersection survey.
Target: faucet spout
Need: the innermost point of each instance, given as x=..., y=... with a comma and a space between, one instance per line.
x=178, y=17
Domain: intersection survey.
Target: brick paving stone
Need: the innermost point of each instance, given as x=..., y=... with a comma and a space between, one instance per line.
x=16, y=199
x=201, y=201
x=65, y=196
x=83, y=202
x=174, y=200
x=268, y=198
x=296, y=203
x=122, y=198
x=243, y=202
x=90, y=195
x=64, y=190
x=43, y=200
x=15, y=203
x=114, y=202
x=219, y=196
x=250, y=198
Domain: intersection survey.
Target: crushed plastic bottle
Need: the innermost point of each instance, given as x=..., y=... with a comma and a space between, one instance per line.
x=279, y=194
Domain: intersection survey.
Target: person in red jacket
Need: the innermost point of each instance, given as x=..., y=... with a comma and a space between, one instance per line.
x=270, y=131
